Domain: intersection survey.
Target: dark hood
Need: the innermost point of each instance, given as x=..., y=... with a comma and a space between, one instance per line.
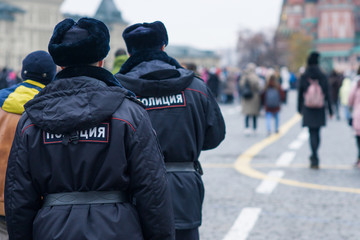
x=78, y=99
x=156, y=78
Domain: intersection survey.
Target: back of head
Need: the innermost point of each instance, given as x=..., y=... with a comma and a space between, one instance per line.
x=313, y=59
x=145, y=36
x=79, y=43
x=120, y=52
x=38, y=66
x=250, y=68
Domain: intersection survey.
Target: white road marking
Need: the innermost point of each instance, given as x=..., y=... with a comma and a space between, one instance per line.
x=304, y=135
x=243, y=224
x=233, y=110
x=269, y=184
x=285, y=159
x=296, y=144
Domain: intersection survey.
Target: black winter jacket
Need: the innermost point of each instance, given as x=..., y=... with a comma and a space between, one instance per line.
x=116, y=149
x=313, y=118
x=186, y=118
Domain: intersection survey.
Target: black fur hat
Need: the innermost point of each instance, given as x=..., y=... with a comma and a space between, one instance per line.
x=77, y=43
x=144, y=36
x=313, y=58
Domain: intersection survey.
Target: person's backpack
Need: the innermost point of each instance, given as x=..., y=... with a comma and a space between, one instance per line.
x=314, y=96
x=272, y=98
x=246, y=91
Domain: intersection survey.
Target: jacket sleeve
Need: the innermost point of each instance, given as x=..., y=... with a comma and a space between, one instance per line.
x=149, y=185
x=22, y=201
x=215, y=125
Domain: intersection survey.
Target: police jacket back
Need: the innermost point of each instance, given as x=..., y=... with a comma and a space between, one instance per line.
x=84, y=134
x=187, y=120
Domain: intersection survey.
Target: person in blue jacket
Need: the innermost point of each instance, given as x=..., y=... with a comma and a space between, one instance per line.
x=183, y=112
x=85, y=163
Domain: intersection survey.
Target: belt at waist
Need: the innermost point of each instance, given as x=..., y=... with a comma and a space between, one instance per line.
x=92, y=197
x=184, y=167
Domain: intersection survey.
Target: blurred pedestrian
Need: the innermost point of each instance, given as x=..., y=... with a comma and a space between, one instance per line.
x=293, y=80
x=213, y=82
x=344, y=93
x=183, y=112
x=285, y=81
x=191, y=66
x=272, y=98
x=38, y=70
x=335, y=81
x=313, y=98
x=3, y=77
x=250, y=97
x=354, y=103
x=120, y=57
x=85, y=162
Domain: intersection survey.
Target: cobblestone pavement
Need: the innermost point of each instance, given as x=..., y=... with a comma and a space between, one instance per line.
x=242, y=202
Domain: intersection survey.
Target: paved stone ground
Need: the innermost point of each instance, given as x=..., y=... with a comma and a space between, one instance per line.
x=289, y=212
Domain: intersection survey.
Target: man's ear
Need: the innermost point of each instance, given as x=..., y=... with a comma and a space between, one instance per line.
x=163, y=48
x=100, y=63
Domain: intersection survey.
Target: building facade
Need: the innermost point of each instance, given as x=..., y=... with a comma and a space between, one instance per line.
x=27, y=25
x=334, y=26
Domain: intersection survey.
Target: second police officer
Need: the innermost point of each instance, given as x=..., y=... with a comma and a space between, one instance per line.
x=183, y=112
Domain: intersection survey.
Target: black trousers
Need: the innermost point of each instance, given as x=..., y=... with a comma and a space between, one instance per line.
x=358, y=145
x=247, y=118
x=187, y=234
x=314, y=141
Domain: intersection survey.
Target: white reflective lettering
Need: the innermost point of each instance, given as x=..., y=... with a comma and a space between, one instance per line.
x=145, y=101
x=92, y=132
x=179, y=98
x=84, y=133
x=166, y=100
x=47, y=135
x=58, y=135
x=158, y=101
x=172, y=99
x=151, y=102
x=101, y=132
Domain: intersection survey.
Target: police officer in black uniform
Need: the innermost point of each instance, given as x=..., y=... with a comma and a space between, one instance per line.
x=85, y=162
x=185, y=115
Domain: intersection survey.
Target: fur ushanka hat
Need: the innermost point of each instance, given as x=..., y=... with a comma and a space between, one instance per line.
x=145, y=36
x=78, y=43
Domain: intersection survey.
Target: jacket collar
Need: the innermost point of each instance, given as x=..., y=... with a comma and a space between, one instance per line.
x=89, y=71
x=145, y=56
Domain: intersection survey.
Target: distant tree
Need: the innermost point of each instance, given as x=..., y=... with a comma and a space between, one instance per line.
x=257, y=48
x=299, y=46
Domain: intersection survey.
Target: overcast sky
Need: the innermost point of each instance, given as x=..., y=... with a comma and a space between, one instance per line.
x=205, y=24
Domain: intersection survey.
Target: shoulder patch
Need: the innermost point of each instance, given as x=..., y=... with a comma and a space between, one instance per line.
x=176, y=100
x=98, y=134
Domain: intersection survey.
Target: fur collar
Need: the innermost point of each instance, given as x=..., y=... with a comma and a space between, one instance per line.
x=144, y=56
x=89, y=71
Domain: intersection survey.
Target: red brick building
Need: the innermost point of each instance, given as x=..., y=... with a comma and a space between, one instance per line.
x=333, y=24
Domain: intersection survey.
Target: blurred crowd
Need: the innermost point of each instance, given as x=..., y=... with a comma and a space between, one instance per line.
x=8, y=78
